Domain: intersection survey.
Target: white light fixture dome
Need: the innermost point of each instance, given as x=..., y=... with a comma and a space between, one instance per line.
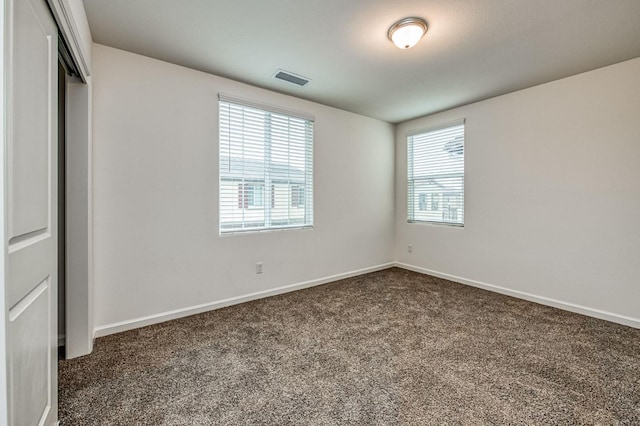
x=407, y=32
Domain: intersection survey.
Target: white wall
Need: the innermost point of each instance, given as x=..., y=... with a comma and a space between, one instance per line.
x=550, y=209
x=552, y=197
x=156, y=243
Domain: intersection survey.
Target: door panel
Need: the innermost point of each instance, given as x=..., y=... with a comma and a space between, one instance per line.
x=31, y=228
x=29, y=324
x=22, y=275
x=28, y=161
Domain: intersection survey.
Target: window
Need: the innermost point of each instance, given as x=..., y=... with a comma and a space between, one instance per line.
x=266, y=167
x=434, y=202
x=250, y=195
x=435, y=166
x=297, y=196
x=422, y=202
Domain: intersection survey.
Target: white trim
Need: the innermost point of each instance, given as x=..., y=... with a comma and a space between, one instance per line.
x=4, y=366
x=67, y=25
x=571, y=307
x=79, y=246
x=118, y=327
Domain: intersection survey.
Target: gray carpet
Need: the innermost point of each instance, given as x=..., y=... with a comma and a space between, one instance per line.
x=388, y=348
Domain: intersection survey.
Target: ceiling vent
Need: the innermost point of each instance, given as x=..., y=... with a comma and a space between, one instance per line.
x=298, y=80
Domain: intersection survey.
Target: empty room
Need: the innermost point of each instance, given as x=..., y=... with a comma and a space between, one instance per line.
x=278, y=212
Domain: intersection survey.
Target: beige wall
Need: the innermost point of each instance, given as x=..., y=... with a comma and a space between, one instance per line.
x=550, y=205
x=156, y=244
x=552, y=196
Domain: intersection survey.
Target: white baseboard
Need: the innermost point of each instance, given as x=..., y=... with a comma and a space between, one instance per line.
x=118, y=327
x=595, y=313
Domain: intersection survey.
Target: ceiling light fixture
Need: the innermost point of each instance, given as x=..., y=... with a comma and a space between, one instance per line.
x=407, y=32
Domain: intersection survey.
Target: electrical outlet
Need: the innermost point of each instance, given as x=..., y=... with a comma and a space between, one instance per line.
x=410, y=248
x=259, y=268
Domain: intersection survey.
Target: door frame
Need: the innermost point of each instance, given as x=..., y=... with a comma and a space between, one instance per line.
x=79, y=330
x=4, y=398
x=79, y=333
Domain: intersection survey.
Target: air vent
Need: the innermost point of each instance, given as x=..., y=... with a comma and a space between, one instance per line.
x=298, y=80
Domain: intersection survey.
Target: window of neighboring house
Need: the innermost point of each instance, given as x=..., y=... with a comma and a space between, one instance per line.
x=422, y=202
x=435, y=204
x=265, y=153
x=273, y=196
x=435, y=163
x=297, y=196
x=250, y=195
x=453, y=214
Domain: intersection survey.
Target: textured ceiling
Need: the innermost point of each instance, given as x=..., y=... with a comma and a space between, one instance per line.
x=474, y=49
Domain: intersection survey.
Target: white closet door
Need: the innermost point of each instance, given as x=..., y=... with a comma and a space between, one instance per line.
x=31, y=213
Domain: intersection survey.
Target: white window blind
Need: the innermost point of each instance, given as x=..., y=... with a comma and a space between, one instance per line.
x=436, y=175
x=266, y=167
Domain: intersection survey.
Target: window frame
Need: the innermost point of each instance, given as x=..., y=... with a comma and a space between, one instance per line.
x=270, y=202
x=436, y=200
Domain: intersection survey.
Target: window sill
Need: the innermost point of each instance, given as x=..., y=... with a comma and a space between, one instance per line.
x=264, y=230
x=427, y=222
